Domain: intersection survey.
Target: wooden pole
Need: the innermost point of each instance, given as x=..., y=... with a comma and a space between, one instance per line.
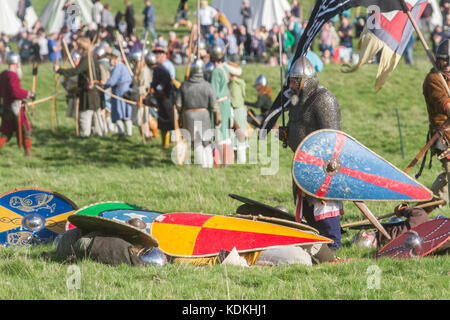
x=422, y=152
x=53, y=107
x=365, y=210
x=47, y=98
x=119, y=39
x=188, y=67
x=388, y=215
x=69, y=56
x=400, y=133
x=77, y=116
x=35, y=73
x=19, y=129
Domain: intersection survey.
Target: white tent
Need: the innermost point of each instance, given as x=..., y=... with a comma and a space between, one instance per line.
x=53, y=16
x=30, y=15
x=264, y=12
x=9, y=22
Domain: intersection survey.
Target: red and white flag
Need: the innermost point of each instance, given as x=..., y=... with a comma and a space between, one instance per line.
x=389, y=32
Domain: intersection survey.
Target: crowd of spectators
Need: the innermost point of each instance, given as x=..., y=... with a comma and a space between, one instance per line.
x=243, y=44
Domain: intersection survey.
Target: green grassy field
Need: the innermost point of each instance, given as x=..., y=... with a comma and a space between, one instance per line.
x=109, y=169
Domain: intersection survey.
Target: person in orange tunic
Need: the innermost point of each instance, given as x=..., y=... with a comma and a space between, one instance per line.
x=437, y=97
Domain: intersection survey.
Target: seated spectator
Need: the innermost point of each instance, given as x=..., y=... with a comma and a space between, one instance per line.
x=134, y=43
x=264, y=34
x=288, y=39
x=345, y=33
x=54, y=47
x=446, y=26
x=296, y=10
x=360, y=22
x=244, y=42
x=436, y=37
x=184, y=49
x=272, y=39
x=161, y=42
x=326, y=57
x=217, y=40
x=91, y=32
x=210, y=35
x=174, y=48
x=326, y=39
x=43, y=46
x=258, y=47
x=233, y=48
x=25, y=47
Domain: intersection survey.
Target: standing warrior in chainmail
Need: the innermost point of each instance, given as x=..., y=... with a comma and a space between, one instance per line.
x=196, y=100
x=313, y=108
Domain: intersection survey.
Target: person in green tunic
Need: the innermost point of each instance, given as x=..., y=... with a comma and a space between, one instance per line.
x=237, y=88
x=219, y=81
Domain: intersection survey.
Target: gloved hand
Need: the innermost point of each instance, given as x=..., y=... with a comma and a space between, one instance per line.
x=283, y=134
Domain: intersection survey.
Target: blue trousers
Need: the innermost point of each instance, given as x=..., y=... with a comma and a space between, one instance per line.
x=152, y=30
x=328, y=227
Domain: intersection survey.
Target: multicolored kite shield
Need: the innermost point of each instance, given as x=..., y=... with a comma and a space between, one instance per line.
x=203, y=235
x=419, y=241
x=97, y=208
x=16, y=204
x=331, y=165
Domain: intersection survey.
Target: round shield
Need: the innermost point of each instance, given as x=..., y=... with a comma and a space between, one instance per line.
x=418, y=241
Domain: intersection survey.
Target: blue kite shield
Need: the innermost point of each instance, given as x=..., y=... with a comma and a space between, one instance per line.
x=331, y=165
x=18, y=203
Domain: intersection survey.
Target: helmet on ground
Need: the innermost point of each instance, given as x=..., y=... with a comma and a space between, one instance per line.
x=260, y=80
x=365, y=239
x=154, y=256
x=12, y=58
